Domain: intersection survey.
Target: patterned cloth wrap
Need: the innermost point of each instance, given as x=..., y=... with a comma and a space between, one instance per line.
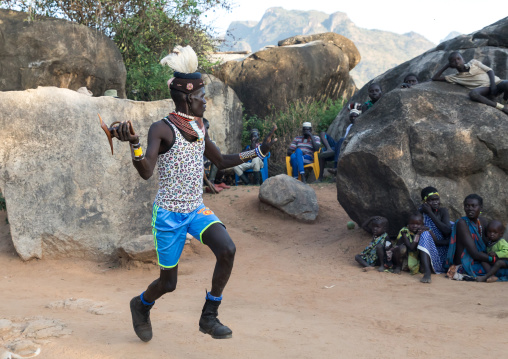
x=369, y=254
x=413, y=262
x=426, y=244
x=469, y=265
x=181, y=175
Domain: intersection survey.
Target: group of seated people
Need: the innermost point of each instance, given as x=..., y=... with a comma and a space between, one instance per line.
x=470, y=248
x=474, y=75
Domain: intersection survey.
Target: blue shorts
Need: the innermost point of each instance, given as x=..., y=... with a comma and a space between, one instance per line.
x=170, y=230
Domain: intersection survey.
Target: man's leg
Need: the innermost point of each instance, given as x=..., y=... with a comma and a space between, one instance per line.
x=297, y=164
x=141, y=305
x=169, y=242
x=502, y=88
x=323, y=158
x=239, y=170
x=257, y=163
x=294, y=164
x=217, y=238
x=481, y=94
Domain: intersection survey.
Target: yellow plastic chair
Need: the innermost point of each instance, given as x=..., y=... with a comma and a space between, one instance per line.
x=314, y=165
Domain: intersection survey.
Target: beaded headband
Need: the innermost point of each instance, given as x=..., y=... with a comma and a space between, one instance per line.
x=430, y=194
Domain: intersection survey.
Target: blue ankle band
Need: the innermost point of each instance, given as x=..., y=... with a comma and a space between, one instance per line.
x=144, y=301
x=211, y=297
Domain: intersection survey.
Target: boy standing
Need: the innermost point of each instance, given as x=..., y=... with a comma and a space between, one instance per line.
x=479, y=78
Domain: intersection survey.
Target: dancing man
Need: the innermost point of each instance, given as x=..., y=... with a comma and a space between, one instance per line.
x=176, y=144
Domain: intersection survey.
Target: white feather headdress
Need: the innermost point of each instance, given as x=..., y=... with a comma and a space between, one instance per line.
x=182, y=59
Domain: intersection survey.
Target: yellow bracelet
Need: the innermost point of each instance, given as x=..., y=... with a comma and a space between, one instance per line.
x=138, y=152
x=499, y=106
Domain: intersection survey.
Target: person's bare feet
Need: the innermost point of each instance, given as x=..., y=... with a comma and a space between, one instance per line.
x=481, y=278
x=397, y=270
x=368, y=269
x=381, y=269
x=492, y=279
x=426, y=279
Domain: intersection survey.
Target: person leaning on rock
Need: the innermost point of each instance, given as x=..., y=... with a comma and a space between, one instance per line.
x=375, y=93
x=354, y=112
x=255, y=164
x=485, y=86
x=301, y=150
x=176, y=144
x=409, y=80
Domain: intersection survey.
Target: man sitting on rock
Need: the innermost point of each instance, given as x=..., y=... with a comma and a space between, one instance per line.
x=375, y=94
x=302, y=150
x=255, y=164
x=409, y=80
x=485, y=86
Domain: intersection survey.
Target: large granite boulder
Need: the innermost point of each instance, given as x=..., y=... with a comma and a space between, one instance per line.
x=489, y=45
x=224, y=111
x=54, y=52
x=429, y=135
x=308, y=68
x=291, y=196
x=66, y=195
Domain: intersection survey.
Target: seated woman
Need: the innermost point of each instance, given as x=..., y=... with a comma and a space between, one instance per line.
x=467, y=245
x=433, y=246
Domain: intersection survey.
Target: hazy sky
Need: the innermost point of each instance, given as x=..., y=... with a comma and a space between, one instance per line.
x=433, y=19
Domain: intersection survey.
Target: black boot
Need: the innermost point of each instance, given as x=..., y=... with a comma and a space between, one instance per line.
x=257, y=178
x=141, y=319
x=245, y=179
x=209, y=324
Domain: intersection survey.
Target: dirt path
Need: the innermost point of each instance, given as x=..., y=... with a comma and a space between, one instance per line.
x=295, y=292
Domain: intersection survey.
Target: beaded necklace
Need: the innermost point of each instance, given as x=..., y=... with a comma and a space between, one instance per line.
x=480, y=230
x=187, y=124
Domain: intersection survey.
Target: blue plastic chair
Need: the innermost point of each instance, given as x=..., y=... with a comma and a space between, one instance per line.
x=264, y=170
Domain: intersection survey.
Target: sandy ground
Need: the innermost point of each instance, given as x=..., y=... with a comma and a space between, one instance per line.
x=295, y=292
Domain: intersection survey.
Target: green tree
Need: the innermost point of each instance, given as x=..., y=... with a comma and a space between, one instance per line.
x=144, y=31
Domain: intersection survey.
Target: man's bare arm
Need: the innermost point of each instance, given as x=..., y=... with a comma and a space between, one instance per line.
x=146, y=166
x=438, y=76
x=213, y=153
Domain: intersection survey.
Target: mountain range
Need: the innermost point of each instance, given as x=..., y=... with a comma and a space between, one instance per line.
x=380, y=50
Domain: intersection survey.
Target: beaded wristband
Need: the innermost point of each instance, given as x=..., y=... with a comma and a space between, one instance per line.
x=259, y=153
x=137, y=152
x=248, y=155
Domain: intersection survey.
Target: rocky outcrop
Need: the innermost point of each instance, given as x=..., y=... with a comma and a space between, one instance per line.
x=291, y=197
x=54, y=52
x=272, y=79
x=489, y=45
x=429, y=135
x=66, y=195
x=380, y=50
x=347, y=46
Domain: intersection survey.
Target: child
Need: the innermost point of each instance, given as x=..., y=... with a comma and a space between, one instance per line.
x=375, y=94
x=497, y=248
x=374, y=253
x=409, y=237
x=477, y=77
